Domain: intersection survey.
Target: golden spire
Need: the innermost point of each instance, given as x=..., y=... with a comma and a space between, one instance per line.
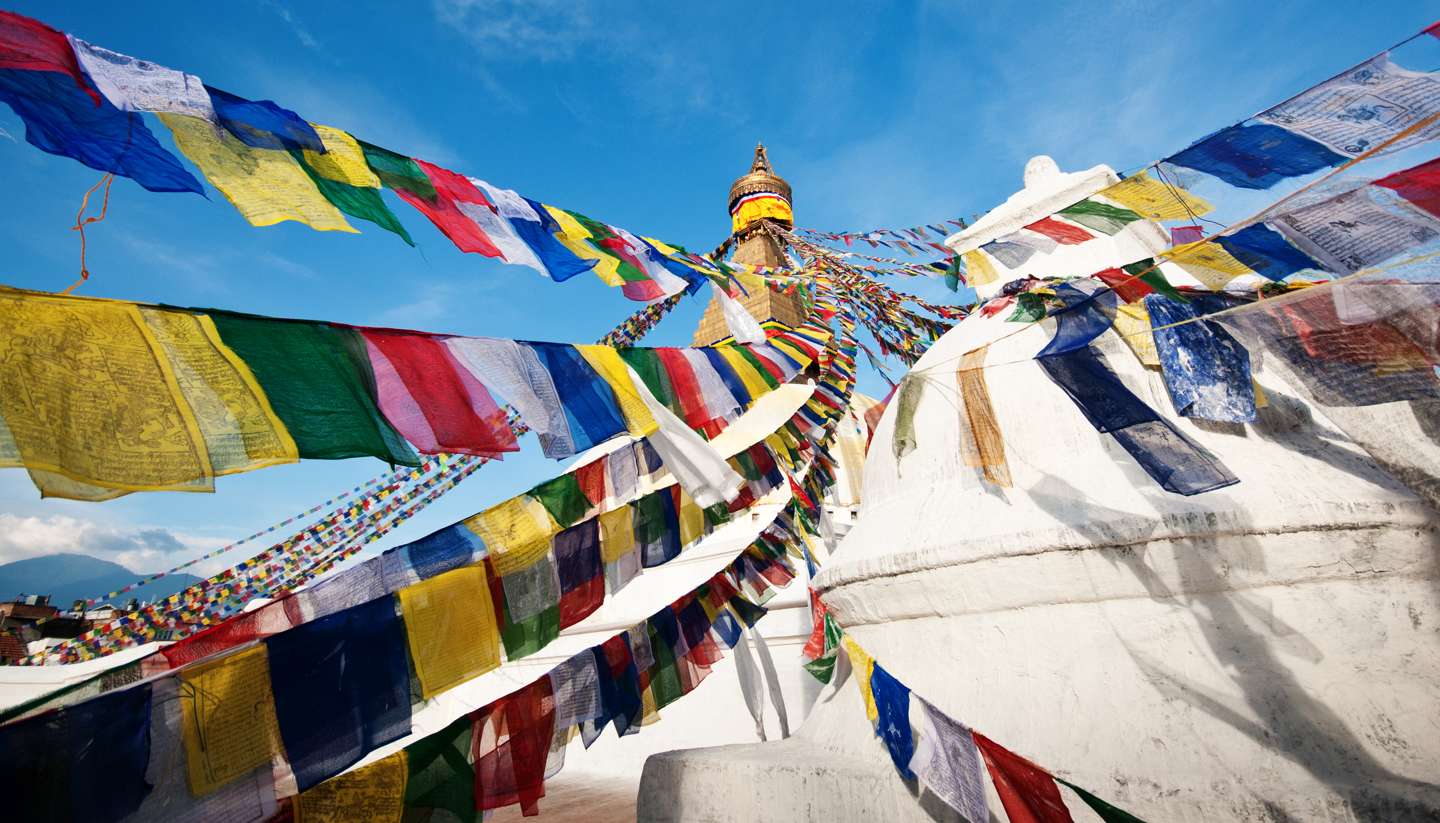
x=762, y=178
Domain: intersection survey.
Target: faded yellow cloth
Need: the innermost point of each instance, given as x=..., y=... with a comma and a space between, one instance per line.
x=372, y=794
x=780, y=449
x=692, y=520
x=229, y=716
x=517, y=532
x=87, y=393
x=751, y=379
x=763, y=205
x=1132, y=323
x=984, y=448
x=612, y=369
x=617, y=534
x=267, y=186
x=1152, y=198
x=343, y=160
x=240, y=429
x=573, y=236
x=864, y=666
x=450, y=626
x=1207, y=262
x=978, y=269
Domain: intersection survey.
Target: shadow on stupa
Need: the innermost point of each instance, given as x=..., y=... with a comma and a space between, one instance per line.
x=1249, y=640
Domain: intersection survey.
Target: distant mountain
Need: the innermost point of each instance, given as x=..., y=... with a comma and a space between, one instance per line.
x=70, y=577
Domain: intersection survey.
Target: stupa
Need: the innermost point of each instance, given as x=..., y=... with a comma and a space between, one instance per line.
x=1264, y=651
x=759, y=194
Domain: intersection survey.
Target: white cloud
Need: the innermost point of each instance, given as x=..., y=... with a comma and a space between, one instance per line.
x=142, y=549
x=539, y=29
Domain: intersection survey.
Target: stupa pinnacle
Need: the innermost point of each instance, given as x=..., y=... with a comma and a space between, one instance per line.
x=756, y=195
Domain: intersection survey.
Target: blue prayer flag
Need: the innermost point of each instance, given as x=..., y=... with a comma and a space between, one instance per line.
x=342, y=688
x=62, y=119
x=1087, y=315
x=559, y=261
x=892, y=703
x=1206, y=370
x=1256, y=156
x=263, y=125
x=1266, y=251
x=438, y=552
x=590, y=408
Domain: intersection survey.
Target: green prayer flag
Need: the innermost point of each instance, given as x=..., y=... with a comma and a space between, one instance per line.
x=563, y=498
x=646, y=363
x=717, y=514
x=600, y=234
x=441, y=774
x=650, y=518
x=664, y=679
x=397, y=171
x=747, y=468
x=1098, y=216
x=1154, y=278
x=357, y=201
x=755, y=362
x=318, y=380
x=1029, y=308
x=1107, y=812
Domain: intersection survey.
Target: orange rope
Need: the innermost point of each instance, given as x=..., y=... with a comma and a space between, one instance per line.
x=81, y=221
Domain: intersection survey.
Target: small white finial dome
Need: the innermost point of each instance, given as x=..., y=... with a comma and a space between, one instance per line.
x=1040, y=168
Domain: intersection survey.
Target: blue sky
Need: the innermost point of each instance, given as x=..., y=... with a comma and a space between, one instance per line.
x=636, y=114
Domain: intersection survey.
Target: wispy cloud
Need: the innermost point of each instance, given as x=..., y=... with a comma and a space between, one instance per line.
x=545, y=30
x=298, y=29
x=142, y=549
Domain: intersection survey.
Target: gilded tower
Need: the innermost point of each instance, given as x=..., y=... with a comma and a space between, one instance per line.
x=760, y=194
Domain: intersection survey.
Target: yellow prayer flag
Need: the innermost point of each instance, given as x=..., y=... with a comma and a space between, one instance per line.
x=343, y=160
x=87, y=393
x=517, y=532
x=753, y=382
x=612, y=369
x=978, y=269
x=371, y=794
x=1156, y=199
x=981, y=443
x=241, y=431
x=1132, y=323
x=267, y=186
x=573, y=236
x=450, y=626
x=864, y=666
x=229, y=715
x=791, y=349
x=692, y=520
x=617, y=534
x=1207, y=262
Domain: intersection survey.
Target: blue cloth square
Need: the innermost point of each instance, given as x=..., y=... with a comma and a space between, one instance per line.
x=892, y=703
x=1257, y=156
x=261, y=124
x=590, y=407
x=1206, y=370
x=1266, y=251
x=62, y=119
x=449, y=548
x=342, y=688
x=577, y=555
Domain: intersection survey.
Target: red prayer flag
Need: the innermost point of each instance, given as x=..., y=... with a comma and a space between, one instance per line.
x=1027, y=791
x=1128, y=287
x=591, y=478
x=1420, y=185
x=1065, y=233
x=455, y=411
x=512, y=742
x=31, y=45
x=581, y=601
x=686, y=387
x=1433, y=29
x=815, y=644
x=452, y=189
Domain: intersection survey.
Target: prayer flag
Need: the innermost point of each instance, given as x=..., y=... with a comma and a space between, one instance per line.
x=948, y=763
x=61, y=119
x=591, y=406
x=450, y=627
x=139, y=85
x=1089, y=311
x=440, y=774
x=85, y=761
x=1101, y=217
x=981, y=444
x=513, y=742
x=1027, y=791
x=396, y=171
x=319, y=382
x=1180, y=235
x=863, y=666
x=30, y=45
x=532, y=590
x=1209, y=262
x=1419, y=185
x=267, y=186
x=374, y=794
x=261, y=124
x=438, y=552
x=562, y=497
x=617, y=534
x=978, y=268
x=1011, y=255
x=343, y=177
x=342, y=688
x=514, y=371
x=1059, y=231
x=444, y=207
x=516, y=531
x=1256, y=155
x=892, y=704
x=1156, y=199
x=437, y=404
x=1107, y=812
x=229, y=725
x=578, y=563
x=522, y=638
x=1206, y=370
x=606, y=362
